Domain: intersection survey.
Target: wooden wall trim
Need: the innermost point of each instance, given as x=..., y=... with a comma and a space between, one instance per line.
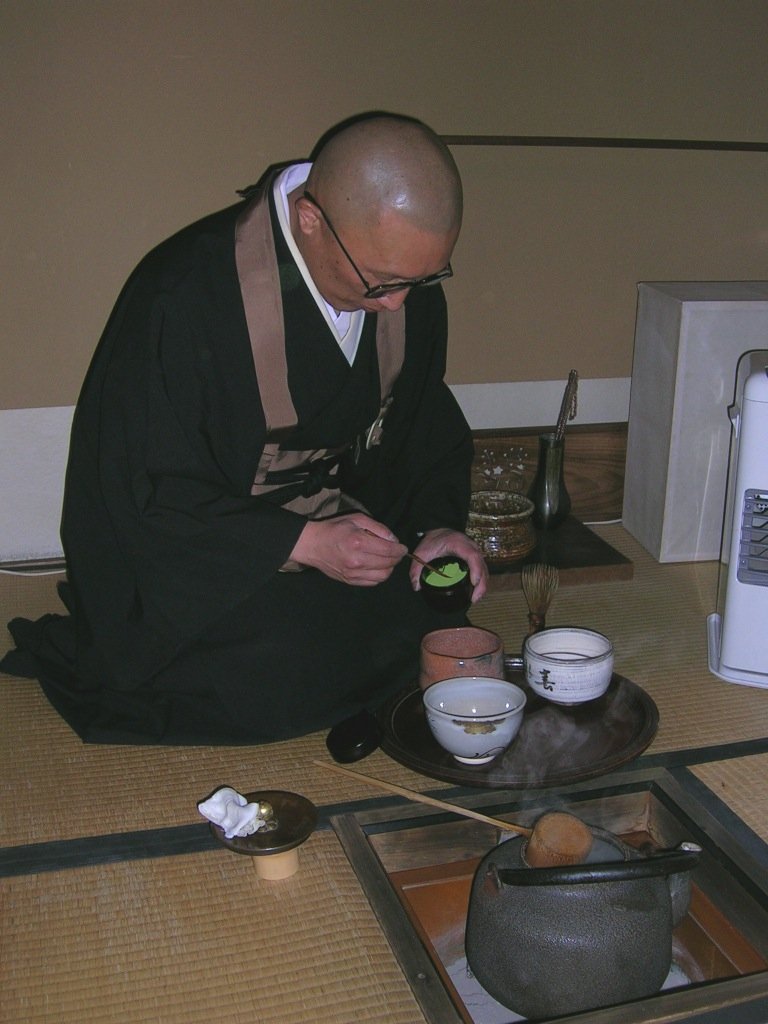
x=606, y=142
x=594, y=465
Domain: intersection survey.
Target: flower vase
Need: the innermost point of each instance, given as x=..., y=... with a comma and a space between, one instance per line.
x=551, y=501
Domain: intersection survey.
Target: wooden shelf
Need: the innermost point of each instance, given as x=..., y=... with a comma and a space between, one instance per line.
x=579, y=554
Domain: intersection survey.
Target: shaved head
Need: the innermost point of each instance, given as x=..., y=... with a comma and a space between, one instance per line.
x=385, y=164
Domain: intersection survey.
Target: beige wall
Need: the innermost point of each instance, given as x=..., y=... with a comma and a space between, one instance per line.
x=122, y=120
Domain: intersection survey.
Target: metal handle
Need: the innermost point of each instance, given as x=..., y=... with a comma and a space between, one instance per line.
x=666, y=862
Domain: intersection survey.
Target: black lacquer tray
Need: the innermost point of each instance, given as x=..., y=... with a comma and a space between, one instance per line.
x=555, y=746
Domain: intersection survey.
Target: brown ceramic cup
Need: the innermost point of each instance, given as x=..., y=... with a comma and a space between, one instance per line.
x=463, y=651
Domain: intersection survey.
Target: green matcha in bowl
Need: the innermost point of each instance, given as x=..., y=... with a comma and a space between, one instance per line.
x=449, y=590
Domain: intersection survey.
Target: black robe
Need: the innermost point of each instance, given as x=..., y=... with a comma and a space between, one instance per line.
x=181, y=629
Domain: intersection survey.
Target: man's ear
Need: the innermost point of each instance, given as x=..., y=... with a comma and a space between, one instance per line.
x=307, y=216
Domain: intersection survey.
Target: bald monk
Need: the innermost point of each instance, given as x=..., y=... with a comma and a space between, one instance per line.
x=263, y=435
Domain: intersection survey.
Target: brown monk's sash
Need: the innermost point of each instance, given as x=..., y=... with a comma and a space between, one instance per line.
x=260, y=287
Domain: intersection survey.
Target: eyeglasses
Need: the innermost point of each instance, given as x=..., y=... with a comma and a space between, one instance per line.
x=376, y=290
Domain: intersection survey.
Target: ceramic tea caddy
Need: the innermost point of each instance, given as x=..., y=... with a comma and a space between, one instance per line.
x=446, y=585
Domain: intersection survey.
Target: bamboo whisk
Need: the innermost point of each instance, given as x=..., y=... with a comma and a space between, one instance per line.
x=539, y=581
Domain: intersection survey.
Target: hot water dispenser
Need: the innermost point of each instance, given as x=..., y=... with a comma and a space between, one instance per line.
x=737, y=632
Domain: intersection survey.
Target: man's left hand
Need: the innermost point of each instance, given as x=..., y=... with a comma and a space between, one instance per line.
x=435, y=543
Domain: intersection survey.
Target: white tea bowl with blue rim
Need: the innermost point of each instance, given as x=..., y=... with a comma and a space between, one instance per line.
x=475, y=718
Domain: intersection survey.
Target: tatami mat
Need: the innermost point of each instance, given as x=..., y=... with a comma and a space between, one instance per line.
x=191, y=940
x=55, y=787
x=741, y=784
x=657, y=621
x=197, y=937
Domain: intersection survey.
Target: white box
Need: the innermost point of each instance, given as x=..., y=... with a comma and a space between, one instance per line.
x=688, y=339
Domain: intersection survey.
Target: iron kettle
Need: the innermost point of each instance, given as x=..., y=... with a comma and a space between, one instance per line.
x=550, y=941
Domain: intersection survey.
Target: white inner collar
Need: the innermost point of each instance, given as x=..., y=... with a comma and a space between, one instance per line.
x=346, y=326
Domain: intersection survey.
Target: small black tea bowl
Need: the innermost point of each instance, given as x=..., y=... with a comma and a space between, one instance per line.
x=451, y=592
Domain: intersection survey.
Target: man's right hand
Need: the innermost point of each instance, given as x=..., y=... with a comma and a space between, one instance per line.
x=353, y=549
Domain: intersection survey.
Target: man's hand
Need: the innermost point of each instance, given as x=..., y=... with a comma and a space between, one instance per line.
x=353, y=549
x=451, y=542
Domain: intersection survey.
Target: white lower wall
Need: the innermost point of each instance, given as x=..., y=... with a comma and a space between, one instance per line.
x=537, y=403
x=33, y=456
x=34, y=442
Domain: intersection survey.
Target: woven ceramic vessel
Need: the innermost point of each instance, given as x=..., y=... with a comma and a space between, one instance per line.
x=500, y=524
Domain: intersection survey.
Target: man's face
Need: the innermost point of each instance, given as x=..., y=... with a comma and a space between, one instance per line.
x=393, y=250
